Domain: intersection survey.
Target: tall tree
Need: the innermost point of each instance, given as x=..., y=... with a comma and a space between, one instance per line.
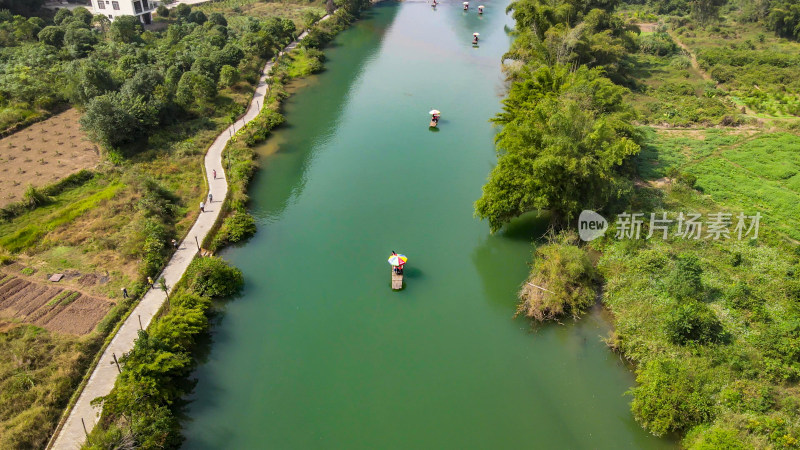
x=564, y=141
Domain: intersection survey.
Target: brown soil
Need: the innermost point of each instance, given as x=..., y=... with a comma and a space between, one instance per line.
x=29, y=301
x=44, y=153
x=647, y=27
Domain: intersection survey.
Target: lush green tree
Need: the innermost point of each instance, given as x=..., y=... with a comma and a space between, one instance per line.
x=126, y=29
x=195, y=92
x=206, y=67
x=115, y=119
x=181, y=11
x=102, y=22
x=218, y=19
x=197, y=17
x=784, y=18
x=79, y=41
x=63, y=16
x=86, y=80
x=705, y=11
x=143, y=83
x=83, y=15
x=213, y=277
x=310, y=17
x=162, y=11
x=229, y=55
x=565, y=140
x=52, y=35
x=228, y=76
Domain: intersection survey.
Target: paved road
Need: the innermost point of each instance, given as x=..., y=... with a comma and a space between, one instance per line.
x=72, y=434
x=186, y=2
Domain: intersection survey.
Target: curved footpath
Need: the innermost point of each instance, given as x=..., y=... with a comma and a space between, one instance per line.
x=83, y=417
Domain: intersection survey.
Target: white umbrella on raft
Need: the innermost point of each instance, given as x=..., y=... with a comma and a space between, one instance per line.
x=476, y=34
x=481, y=6
x=434, y=111
x=465, y=3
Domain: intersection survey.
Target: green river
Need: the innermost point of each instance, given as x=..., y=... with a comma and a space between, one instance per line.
x=318, y=351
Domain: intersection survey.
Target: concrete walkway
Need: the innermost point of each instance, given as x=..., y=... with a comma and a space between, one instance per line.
x=83, y=416
x=186, y=2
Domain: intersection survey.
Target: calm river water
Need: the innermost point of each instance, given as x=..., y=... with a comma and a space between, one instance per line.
x=318, y=352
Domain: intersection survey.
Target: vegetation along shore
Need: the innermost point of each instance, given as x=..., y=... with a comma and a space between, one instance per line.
x=665, y=108
x=661, y=139
x=150, y=102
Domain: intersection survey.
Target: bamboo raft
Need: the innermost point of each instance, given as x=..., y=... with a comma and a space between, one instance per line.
x=397, y=281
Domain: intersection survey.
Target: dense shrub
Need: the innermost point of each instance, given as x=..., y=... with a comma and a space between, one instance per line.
x=213, y=277
x=228, y=76
x=561, y=281
x=691, y=321
x=669, y=398
x=235, y=228
x=685, y=279
x=52, y=35
x=659, y=44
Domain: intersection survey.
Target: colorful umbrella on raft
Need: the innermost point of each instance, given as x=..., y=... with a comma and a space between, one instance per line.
x=398, y=260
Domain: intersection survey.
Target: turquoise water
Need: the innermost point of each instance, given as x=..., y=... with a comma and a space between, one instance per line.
x=319, y=352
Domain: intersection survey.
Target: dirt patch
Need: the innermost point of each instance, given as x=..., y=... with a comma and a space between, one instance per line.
x=697, y=134
x=44, y=153
x=88, y=280
x=647, y=27
x=50, y=307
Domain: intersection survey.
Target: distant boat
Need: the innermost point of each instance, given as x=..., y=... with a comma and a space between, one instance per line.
x=435, y=113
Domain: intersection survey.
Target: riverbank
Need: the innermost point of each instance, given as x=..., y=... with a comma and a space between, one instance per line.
x=696, y=255
x=157, y=424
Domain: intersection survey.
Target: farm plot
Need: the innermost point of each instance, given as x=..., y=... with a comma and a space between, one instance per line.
x=54, y=308
x=42, y=154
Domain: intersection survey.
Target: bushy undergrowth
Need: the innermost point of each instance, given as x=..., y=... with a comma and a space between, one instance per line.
x=213, y=277
x=712, y=327
x=561, y=281
x=141, y=410
x=38, y=372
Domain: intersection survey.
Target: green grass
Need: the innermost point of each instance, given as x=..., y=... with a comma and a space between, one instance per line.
x=238, y=11
x=29, y=235
x=38, y=372
x=304, y=62
x=755, y=174
x=756, y=67
x=668, y=90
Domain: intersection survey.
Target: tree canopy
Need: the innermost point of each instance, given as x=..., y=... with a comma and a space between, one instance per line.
x=563, y=146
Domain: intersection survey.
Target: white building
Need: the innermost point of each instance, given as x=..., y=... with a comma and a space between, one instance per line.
x=142, y=9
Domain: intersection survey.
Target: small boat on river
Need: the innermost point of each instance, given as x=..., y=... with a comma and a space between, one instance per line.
x=435, y=114
x=397, y=262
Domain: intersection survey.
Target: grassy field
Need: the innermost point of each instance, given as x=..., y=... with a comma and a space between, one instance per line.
x=746, y=169
x=241, y=9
